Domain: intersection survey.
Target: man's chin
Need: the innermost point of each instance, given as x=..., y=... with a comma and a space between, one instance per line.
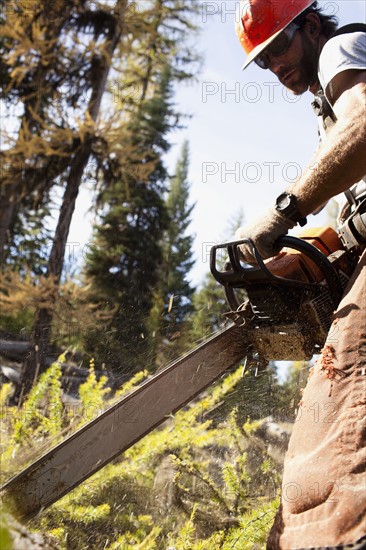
x=297, y=89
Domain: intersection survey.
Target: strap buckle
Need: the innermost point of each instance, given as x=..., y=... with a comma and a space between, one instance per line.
x=352, y=232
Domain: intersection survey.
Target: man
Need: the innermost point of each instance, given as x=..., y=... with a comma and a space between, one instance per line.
x=324, y=485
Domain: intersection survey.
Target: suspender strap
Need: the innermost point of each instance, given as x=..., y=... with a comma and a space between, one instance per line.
x=352, y=27
x=321, y=105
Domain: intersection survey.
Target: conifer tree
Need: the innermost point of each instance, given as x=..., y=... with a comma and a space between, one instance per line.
x=109, y=33
x=55, y=66
x=209, y=306
x=123, y=265
x=40, y=66
x=178, y=244
x=172, y=303
x=210, y=302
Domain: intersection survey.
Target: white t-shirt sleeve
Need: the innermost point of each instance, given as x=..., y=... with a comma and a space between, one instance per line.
x=341, y=53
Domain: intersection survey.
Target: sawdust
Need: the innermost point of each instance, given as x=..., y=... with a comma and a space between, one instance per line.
x=326, y=361
x=326, y=364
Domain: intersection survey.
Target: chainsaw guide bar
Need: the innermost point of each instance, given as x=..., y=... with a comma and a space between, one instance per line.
x=103, y=439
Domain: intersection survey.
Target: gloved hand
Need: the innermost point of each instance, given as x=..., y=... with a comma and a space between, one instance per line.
x=264, y=233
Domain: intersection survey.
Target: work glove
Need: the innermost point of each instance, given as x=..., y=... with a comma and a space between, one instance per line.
x=264, y=233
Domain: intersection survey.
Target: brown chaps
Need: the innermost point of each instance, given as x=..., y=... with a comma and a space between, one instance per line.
x=324, y=482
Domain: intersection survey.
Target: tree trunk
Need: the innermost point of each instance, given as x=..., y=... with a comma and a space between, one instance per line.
x=152, y=50
x=7, y=210
x=35, y=363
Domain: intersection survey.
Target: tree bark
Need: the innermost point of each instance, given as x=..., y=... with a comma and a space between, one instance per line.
x=7, y=210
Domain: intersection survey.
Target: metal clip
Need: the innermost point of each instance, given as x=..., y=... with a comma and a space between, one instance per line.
x=353, y=230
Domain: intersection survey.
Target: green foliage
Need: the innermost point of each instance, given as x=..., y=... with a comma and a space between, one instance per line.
x=46, y=392
x=210, y=478
x=5, y=393
x=28, y=427
x=5, y=535
x=201, y=481
x=253, y=528
x=88, y=515
x=251, y=533
x=186, y=535
x=43, y=419
x=92, y=394
x=145, y=537
x=28, y=250
x=189, y=484
x=17, y=322
x=209, y=306
x=178, y=244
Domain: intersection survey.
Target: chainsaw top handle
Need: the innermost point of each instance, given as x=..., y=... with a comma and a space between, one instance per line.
x=237, y=275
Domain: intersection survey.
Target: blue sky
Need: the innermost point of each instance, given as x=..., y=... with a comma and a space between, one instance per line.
x=249, y=138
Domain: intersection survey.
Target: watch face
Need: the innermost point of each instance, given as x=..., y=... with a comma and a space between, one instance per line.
x=284, y=201
x=286, y=205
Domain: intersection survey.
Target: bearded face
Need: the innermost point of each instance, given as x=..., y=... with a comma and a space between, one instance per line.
x=307, y=68
x=297, y=68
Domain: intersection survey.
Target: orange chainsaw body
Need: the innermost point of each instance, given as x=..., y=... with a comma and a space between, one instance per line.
x=293, y=264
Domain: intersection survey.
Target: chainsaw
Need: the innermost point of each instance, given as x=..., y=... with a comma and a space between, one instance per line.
x=281, y=309
x=290, y=298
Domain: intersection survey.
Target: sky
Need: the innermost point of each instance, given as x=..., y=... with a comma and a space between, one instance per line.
x=249, y=138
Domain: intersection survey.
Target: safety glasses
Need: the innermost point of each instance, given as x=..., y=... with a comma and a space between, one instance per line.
x=278, y=47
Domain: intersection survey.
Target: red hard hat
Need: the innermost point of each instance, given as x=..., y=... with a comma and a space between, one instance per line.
x=260, y=21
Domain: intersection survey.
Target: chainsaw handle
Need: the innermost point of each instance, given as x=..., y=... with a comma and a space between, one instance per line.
x=235, y=275
x=313, y=253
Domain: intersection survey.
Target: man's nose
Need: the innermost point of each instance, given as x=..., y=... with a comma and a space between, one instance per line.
x=276, y=64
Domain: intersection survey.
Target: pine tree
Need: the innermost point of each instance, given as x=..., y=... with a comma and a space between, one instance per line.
x=210, y=302
x=178, y=244
x=97, y=72
x=173, y=296
x=38, y=51
x=131, y=170
x=123, y=266
x=55, y=65
x=209, y=308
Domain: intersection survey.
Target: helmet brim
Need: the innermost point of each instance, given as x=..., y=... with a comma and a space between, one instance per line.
x=259, y=49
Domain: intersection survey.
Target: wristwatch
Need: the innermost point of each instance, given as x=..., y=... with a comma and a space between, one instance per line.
x=286, y=204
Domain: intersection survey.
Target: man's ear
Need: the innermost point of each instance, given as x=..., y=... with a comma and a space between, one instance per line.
x=313, y=25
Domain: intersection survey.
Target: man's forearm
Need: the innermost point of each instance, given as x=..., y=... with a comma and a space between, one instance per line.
x=337, y=165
